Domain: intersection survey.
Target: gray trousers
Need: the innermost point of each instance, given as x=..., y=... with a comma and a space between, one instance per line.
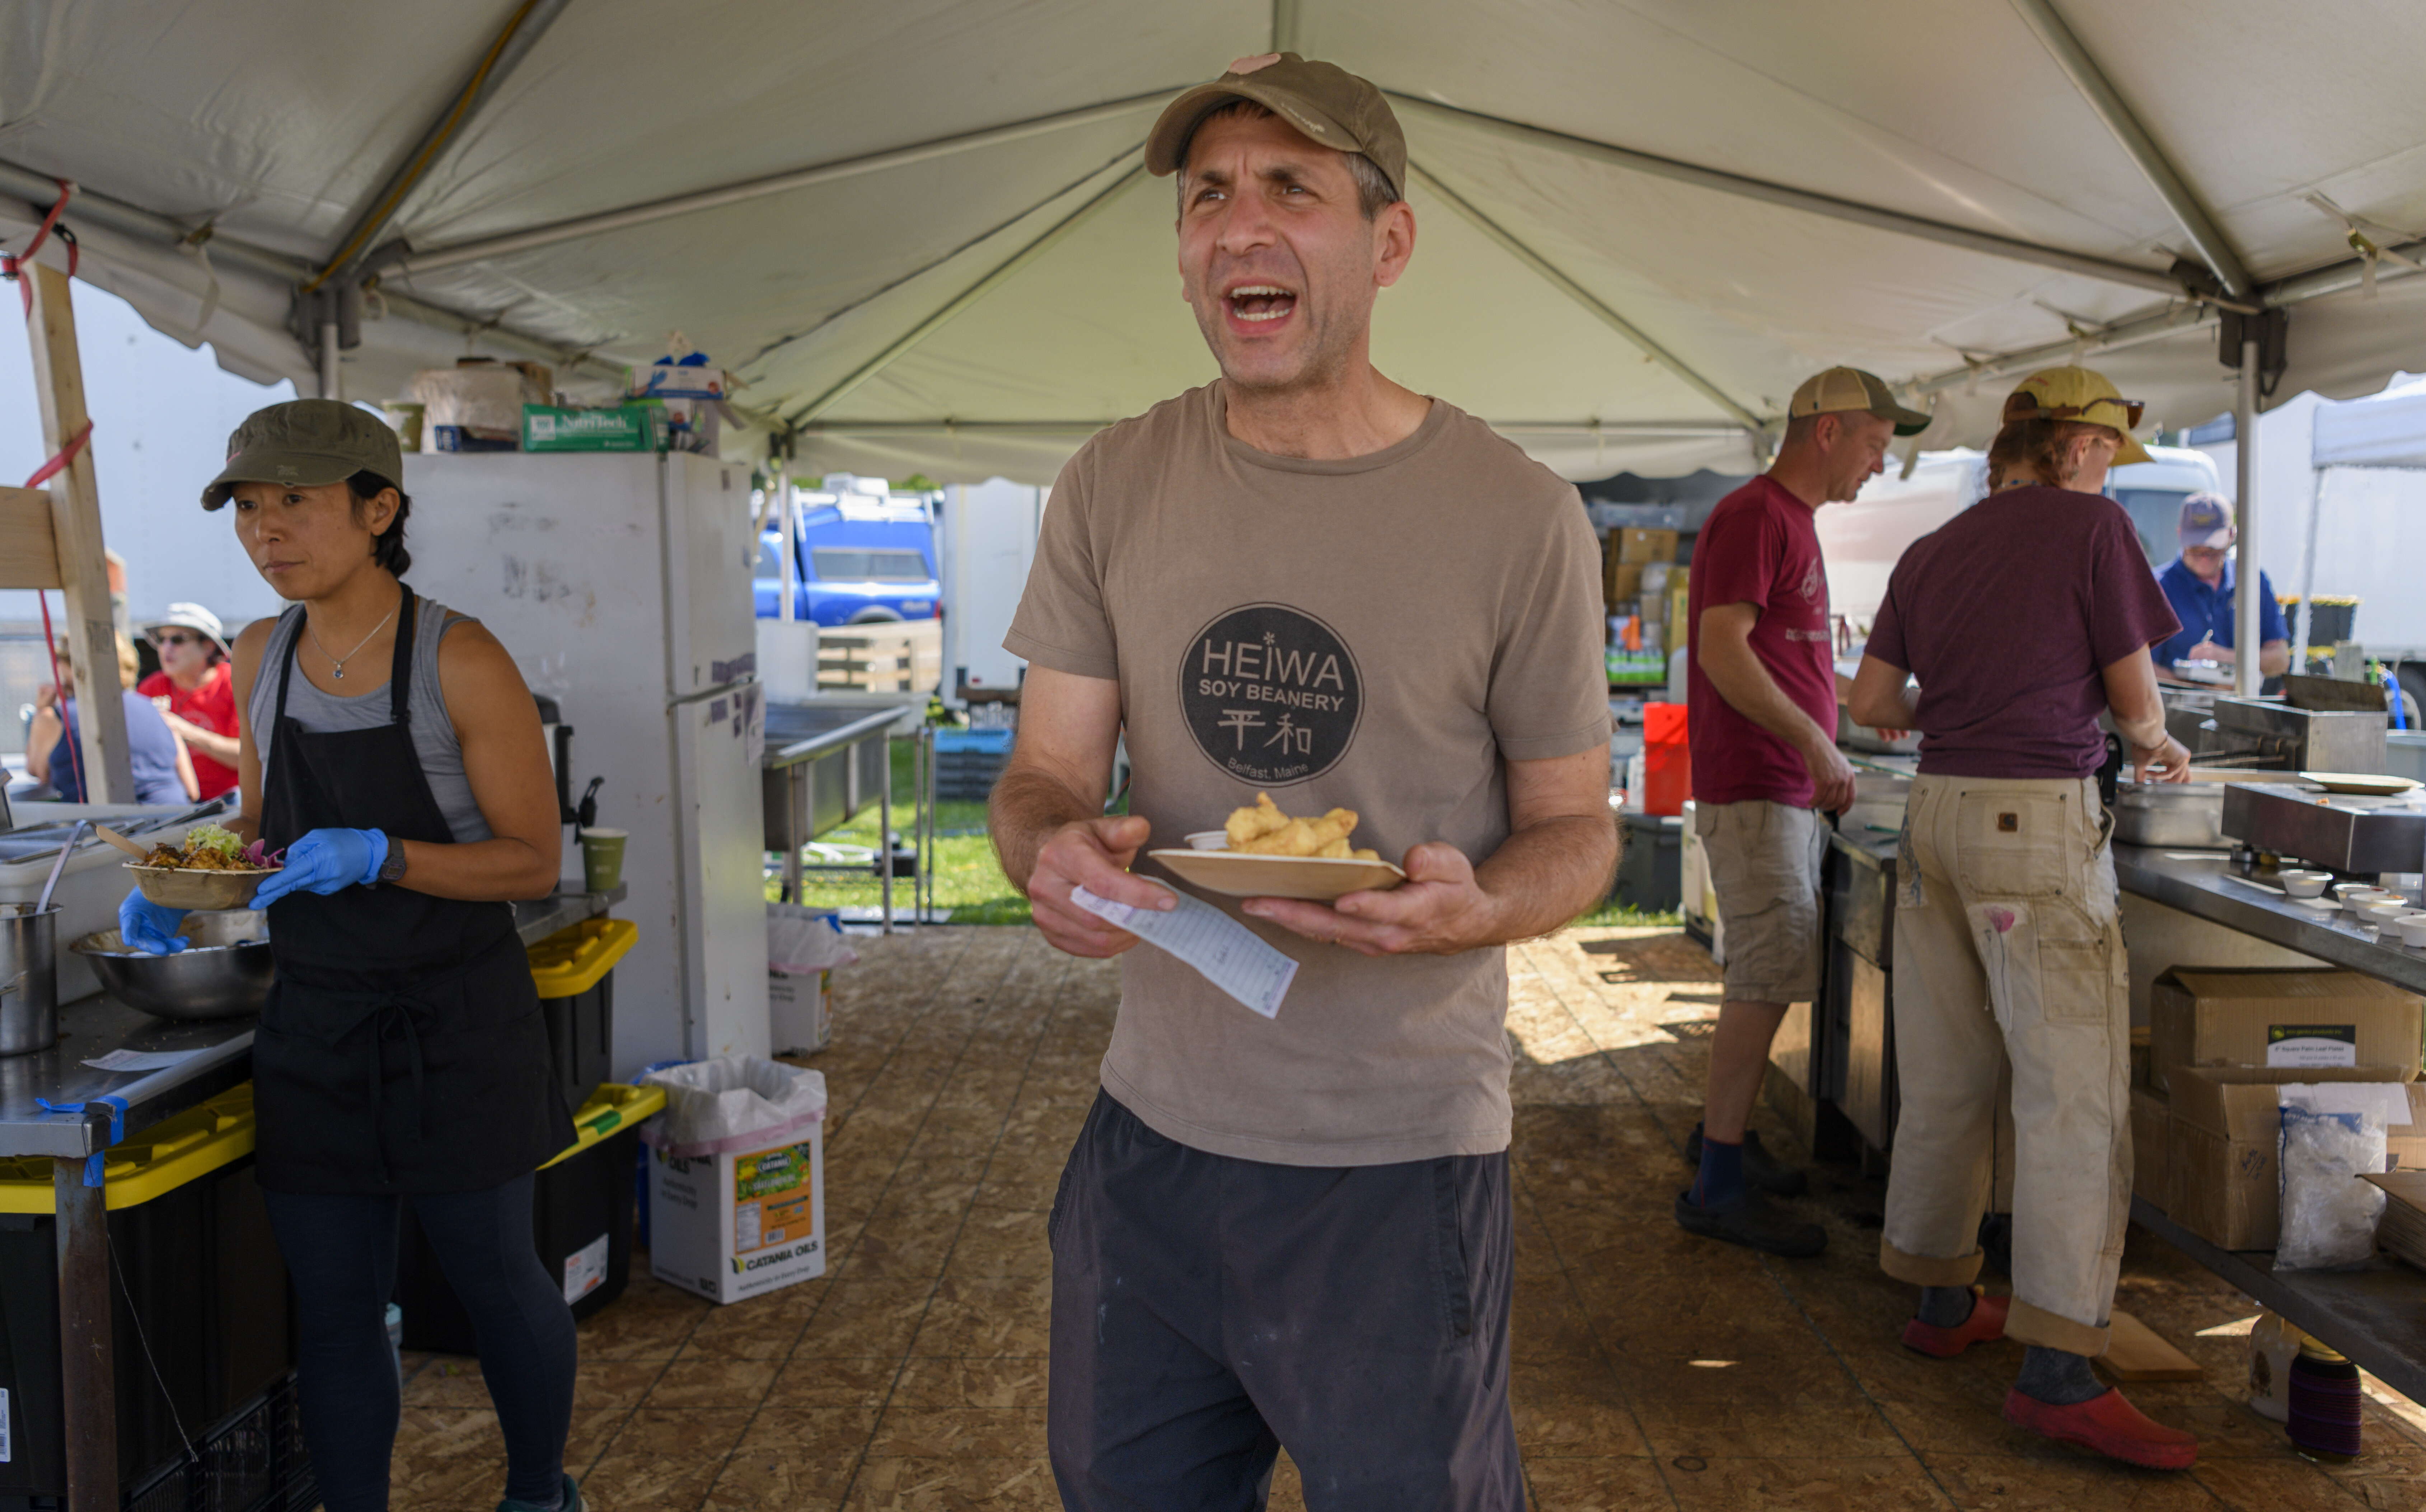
x=1208, y=1310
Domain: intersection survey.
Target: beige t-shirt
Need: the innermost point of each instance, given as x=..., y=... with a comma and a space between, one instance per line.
x=1379, y=634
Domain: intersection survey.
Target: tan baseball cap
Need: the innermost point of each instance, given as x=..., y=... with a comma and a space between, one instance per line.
x=1845, y=390
x=2078, y=394
x=307, y=442
x=1324, y=101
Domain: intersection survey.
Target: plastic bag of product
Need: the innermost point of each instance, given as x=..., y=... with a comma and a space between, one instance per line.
x=2329, y=1214
x=735, y=1102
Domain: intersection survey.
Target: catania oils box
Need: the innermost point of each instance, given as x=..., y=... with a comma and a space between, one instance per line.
x=742, y=1223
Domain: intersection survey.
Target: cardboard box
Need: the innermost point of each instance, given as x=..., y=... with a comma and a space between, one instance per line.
x=1634, y=545
x=2402, y=1232
x=1621, y=583
x=2284, y=1019
x=624, y=427
x=800, y=1010
x=2152, y=1138
x=742, y=1223
x=2224, y=1178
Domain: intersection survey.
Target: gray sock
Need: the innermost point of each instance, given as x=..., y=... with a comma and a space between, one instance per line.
x=1945, y=1307
x=2057, y=1377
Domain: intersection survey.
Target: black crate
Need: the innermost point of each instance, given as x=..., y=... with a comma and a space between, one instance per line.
x=210, y=1291
x=581, y=1039
x=576, y=1202
x=253, y=1461
x=1650, y=872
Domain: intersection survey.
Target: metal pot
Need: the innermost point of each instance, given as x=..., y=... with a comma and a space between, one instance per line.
x=29, y=980
x=2174, y=816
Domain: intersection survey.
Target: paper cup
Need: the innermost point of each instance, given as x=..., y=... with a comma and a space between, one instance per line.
x=602, y=859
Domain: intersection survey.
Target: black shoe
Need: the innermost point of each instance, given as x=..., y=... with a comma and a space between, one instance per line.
x=1761, y=1169
x=1754, y=1222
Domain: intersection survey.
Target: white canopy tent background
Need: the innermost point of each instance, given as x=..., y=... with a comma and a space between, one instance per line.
x=920, y=236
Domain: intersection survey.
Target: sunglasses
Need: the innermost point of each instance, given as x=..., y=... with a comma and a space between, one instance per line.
x=2132, y=409
x=167, y=640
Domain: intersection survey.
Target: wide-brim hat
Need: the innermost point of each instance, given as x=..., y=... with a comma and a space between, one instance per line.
x=2078, y=394
x=190, y=617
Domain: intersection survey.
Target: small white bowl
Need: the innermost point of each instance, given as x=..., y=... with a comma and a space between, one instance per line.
x=2412, y=931
x=1210, y=840
x=2383, y=912
x=2358, y=900
x=2301, y=884
x=2343, y=890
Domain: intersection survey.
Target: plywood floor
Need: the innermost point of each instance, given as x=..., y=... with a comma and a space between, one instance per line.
x=1653, y=1370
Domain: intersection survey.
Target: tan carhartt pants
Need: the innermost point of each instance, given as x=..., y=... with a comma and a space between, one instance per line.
x=2009, y=946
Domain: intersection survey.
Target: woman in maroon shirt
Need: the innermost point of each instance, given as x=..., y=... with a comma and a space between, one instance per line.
x=2022, y=619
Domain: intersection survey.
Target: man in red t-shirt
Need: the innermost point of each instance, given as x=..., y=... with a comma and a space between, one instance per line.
x=195, y=690
x=1761, y=693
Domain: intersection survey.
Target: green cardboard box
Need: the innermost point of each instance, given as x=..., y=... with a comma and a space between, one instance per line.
x=627, y=428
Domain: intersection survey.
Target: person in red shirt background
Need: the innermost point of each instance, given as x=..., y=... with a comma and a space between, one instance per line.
x=1761, y=692
x=195, y=690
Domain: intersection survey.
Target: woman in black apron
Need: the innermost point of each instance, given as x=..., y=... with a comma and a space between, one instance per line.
x=401, y=1055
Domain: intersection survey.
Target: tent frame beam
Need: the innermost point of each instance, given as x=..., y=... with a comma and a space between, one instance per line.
x=454, y=254
x=2082, y=68
x=522, y=34
x=1683, y=429
x=995, y=278
x=1557, y=278
x=2081, y=263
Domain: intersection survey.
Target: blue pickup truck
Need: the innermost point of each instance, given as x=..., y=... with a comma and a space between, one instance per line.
x=863, y=559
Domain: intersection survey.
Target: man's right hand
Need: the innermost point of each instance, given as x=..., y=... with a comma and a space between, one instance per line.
x=1094, y=854
x=1832, y=778
x=2166, y=762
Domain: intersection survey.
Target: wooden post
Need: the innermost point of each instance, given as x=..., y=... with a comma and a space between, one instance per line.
x=87, y=1367
x=75, y=529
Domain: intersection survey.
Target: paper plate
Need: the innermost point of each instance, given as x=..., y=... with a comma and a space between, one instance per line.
x=2366, y=783
x=1243, y=874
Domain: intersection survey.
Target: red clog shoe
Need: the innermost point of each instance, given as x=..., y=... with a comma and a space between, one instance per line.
x=2108, y=1425
x=1985, y=1325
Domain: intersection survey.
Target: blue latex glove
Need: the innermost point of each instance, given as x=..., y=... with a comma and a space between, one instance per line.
x=326, y=860
x=147, y=925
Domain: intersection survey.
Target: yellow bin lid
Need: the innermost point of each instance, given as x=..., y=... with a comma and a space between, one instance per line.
x=157, y=1161
x=573, y=961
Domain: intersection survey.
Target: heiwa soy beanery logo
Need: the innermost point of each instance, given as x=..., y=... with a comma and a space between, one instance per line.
x=1271, y=694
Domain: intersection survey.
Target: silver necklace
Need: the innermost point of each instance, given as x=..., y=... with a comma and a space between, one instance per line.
x=339, y=662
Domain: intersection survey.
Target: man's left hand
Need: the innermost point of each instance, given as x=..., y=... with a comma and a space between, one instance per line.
x=1438, y=911
x=2208, y=650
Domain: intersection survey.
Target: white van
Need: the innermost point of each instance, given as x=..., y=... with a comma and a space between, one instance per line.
x=1862, y=541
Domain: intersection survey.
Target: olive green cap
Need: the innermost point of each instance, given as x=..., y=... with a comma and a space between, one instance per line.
x=1328, y=104
x=307, y=443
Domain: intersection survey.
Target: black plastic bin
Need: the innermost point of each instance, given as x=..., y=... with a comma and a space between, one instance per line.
x=200, y=1328
x=581, y=1224
x=252, y=1461
x=1651, y=873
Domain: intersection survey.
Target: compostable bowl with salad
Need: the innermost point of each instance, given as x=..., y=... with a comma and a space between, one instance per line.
x=212, y=870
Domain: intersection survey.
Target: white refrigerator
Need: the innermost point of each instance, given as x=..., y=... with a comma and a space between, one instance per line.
x=621, y=583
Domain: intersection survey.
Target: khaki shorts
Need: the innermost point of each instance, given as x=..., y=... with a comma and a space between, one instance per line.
x=1764, y=861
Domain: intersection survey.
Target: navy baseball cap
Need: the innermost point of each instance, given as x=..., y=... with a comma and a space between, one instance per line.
x=2206, y=520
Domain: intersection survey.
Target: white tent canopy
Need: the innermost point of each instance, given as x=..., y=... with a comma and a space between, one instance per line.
x=2386, y=430
x=921, y=236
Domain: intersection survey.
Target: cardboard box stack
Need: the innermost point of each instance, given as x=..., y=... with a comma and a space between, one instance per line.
x=2206, y=1103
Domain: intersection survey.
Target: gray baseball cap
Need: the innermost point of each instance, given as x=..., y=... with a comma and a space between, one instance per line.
x=307, y=442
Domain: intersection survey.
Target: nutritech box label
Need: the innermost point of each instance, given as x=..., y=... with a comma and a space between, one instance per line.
x=2312, y=1044
x=770, y=1200
x=630, y=427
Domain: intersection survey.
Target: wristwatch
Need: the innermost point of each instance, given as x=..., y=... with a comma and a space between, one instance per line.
x=392, y=868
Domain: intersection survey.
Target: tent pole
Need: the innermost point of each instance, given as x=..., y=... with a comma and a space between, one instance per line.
x=1283, y=25
x=1550, y=274
x=791, y=532
x=2091, y=81
x=2245, y=675
x=1793, y=199
x=332, y=383
x=2307, y=606
x=1001, y=273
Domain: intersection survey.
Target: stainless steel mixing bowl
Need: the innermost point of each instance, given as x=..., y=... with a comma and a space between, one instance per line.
x=226, y=970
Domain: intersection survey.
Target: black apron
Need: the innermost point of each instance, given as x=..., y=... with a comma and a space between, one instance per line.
x=402, y=1048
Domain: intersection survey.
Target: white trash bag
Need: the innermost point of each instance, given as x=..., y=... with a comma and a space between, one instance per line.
x=733, y=1102
x=801, y=941
x=2329, y=1214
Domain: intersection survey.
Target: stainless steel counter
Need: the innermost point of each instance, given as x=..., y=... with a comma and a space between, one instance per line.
x=2200, y=883
x=217, y=1055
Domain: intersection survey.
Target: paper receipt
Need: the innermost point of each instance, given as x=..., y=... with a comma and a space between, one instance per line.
x=1225, y=952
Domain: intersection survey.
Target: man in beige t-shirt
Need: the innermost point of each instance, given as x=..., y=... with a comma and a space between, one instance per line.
x=1305, y=579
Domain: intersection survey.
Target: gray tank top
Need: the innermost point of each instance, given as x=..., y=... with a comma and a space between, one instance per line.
x=433, y=733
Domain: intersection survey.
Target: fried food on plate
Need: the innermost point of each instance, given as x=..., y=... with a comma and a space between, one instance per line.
x=1263, y=829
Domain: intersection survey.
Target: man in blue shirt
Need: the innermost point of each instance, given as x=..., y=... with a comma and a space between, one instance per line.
x=2199, y=585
